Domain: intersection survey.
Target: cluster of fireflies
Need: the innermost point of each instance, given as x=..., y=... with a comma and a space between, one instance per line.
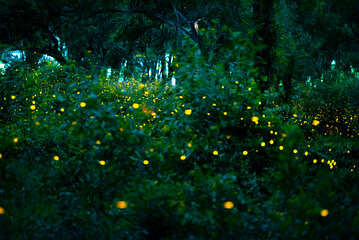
x=133, y=99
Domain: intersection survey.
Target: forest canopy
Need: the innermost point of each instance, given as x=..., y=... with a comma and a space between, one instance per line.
x=305, y=35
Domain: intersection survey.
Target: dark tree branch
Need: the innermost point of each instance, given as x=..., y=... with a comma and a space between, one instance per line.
x=182, y=30
x=175, y=10
x=194, y=39
x=47, y=51
x=160, y=17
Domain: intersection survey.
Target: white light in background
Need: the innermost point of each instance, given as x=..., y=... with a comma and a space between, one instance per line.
x=333, y=64
x=2, y=68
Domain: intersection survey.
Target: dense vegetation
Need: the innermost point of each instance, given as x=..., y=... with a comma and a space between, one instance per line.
x=245, y=146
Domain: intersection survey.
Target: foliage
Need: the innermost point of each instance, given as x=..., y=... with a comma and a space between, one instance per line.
x=212, y=158
x=332, y=100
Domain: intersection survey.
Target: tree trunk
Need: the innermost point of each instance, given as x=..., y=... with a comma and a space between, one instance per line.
x=170, y=68
x=263, y=14
x=287, y=79
x=163, y=67
x=32, y=58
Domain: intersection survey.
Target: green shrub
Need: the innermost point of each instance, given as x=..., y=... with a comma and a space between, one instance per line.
x=211, y=158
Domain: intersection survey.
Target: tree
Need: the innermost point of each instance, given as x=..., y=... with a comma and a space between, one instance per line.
x=91, y=31
x=264, y=19
x=27, y=27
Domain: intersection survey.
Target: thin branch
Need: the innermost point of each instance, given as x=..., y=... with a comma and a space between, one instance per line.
x=47, y=51
x=155, y=15
x=175, y=10
x=179, y=13
x=184, y=18
x=182, y=30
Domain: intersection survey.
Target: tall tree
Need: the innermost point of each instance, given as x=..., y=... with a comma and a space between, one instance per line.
x=264, y=19
x=26, y=27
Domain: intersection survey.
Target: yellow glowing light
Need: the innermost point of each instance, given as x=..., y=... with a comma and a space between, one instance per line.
x=0, y=155
x=183, y=157
x=121, y=204
x=280, y=147
x=228, y=205
x=62, y=110
x=56, y=158
x=245, y=152
x=83, y=104
x=188, y=112
x=271, y=141
x=315, y=161
x=225, y=113
x=295, y=151
x=255, y=119
x=135, y=105
x=215, y=153
x=263, y=144
x=98, y=142
x=13, y=97
x=324, y=213
x=16, y=140
x=32, y=107
x=306, y=153
x=315, y=122
x=2, y=210
x=146, y=162
x=102, y=162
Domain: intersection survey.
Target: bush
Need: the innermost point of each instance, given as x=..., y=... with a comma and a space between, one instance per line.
x=212, y=158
